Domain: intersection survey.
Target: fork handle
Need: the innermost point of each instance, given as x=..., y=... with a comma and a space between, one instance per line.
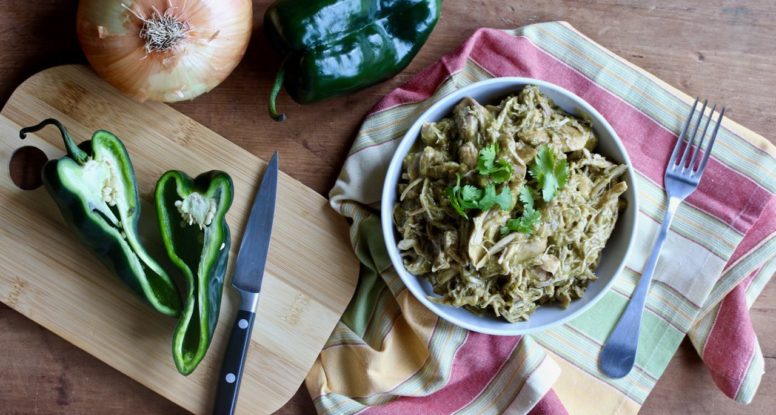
x=619, y=352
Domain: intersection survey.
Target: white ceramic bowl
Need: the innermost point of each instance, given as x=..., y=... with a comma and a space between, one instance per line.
x=617, y=248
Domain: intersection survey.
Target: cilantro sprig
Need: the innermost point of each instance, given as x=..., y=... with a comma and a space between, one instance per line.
x=499, y=170
x=551, y=174
x=530, y=217
x=468, y=197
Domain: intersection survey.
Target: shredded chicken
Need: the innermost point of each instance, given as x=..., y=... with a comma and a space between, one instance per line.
x=473, y=263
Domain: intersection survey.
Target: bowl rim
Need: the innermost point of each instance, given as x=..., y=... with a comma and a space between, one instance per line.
x=394, y=168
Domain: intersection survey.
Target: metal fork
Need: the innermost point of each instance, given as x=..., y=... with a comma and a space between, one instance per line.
x=681, y=179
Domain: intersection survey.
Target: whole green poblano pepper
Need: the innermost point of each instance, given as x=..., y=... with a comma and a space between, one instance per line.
x=333, y=47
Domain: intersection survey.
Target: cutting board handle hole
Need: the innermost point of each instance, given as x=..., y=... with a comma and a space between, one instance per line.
x=26, y=167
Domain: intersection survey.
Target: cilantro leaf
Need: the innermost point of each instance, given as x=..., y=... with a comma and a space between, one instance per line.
x=487, y=159
x=463, y=198
x=524, y=224
x=526, y=196
x=551, y=174
x=504, y=199
x=470, y=197
x=454, y=196
x=529, y=218
x=488, y=198
x=499, y=170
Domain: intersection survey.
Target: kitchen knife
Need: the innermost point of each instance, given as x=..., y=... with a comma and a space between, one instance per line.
x=246, y=279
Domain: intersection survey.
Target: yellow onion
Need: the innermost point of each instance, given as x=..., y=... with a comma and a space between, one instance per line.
x=164, y=50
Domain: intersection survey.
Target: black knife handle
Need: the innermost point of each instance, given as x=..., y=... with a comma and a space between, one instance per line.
x=232, y=366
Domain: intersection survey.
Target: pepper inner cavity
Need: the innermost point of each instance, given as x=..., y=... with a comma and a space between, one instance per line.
x=196, y=208
x=189, y=243
x=100, y=178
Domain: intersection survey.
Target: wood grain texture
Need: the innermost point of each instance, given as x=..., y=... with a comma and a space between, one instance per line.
x=311, y=271
x=723, y=50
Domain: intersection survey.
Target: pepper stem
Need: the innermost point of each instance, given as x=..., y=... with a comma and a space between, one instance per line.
x=73, y=150
x=273, y=96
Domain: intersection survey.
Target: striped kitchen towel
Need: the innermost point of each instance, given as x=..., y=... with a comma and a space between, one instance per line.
x=391, y=355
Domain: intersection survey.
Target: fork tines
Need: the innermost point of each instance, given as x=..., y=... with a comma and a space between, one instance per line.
x=687, y=139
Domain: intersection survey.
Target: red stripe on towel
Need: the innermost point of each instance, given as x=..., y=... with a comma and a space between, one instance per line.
x=731, y=343
x=550, y=404
x=475, y=365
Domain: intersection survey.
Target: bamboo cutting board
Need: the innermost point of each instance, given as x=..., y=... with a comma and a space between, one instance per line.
x=47, y=275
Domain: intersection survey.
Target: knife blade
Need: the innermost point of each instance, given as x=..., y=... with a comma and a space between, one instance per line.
x=246, y=279
x=252, y=256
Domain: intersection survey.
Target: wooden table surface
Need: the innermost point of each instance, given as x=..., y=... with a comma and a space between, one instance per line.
x=723, y=50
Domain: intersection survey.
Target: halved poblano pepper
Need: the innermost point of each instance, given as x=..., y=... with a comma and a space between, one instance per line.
x=192, y=220
x=95, y=188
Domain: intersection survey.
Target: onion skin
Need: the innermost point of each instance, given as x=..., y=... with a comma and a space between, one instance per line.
x=109, y=32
